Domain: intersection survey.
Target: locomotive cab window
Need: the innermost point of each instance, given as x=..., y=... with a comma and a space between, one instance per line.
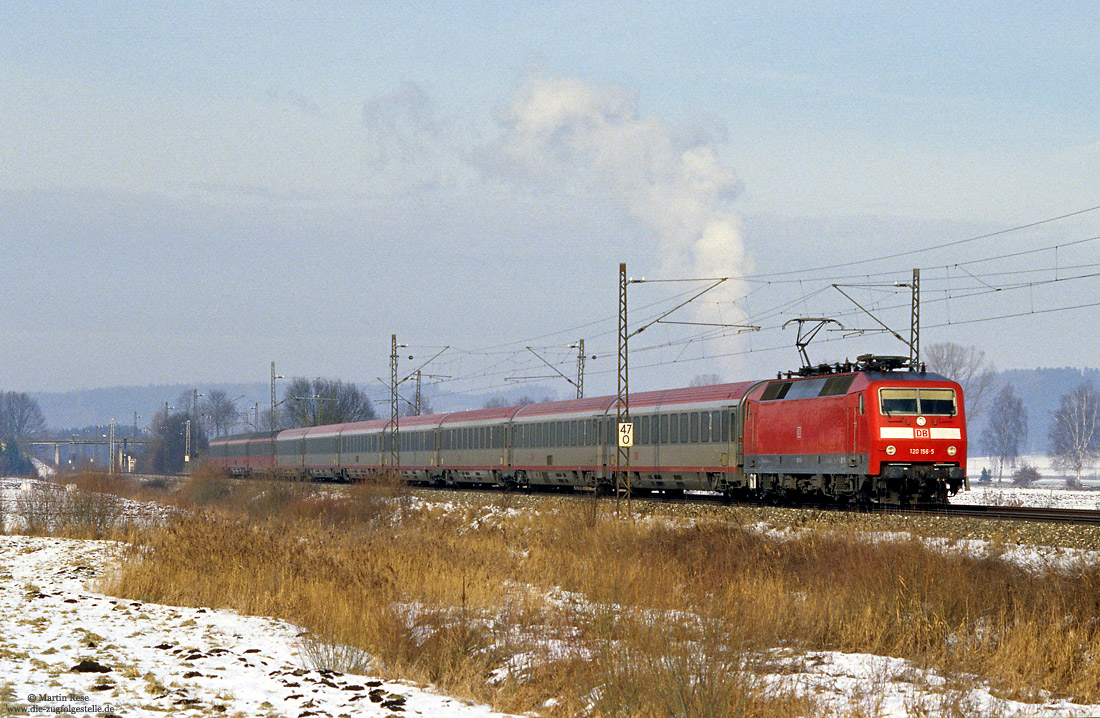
x=938, y=402
x=898, y=401
x=934, y=402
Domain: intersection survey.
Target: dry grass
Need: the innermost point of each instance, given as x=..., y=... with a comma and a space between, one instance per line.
x=608, y=616
x=80, y=505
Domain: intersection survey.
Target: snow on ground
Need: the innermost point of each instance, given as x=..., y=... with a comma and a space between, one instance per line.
x=1049, y=492
x=864, y=684
x=1040, y=497
x=57, y=631
x=65, y=646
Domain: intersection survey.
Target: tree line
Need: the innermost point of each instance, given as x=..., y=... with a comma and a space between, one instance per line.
x=1074, y=432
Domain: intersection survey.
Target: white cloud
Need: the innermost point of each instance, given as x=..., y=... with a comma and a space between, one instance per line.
x=569, y=132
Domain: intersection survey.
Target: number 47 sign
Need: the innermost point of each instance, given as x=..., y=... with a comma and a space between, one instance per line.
x=626, y=434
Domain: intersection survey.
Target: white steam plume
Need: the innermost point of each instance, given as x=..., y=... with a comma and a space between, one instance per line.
x=569, y=130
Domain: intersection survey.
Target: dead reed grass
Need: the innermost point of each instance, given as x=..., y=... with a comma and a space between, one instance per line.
x=611, y=617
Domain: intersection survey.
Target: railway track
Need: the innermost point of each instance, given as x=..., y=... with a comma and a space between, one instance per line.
x=1082, y=517
x=1024, y=513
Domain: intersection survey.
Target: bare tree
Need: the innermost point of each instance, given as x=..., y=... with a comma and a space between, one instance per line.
x=1075, y=433
x=220, y=412
x=165, y=455
x=20, y=415
x=1006, y=429
x=705, y=380
x=325, y=401
x=966, y=365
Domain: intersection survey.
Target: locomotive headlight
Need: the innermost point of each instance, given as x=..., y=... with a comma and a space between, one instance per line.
x=891, y=450
x=951, y=450
x=921, y=421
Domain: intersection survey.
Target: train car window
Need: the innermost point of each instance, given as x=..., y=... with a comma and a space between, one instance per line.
x=641, y=430
x=898, y=401
x=836, y=385
x=937, y=402
x=694, y=438
x=775, y=391
x=673, y=428
x=662, y=431
x=683, y=428
x=704, y=427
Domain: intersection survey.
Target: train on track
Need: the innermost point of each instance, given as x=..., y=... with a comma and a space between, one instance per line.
x=866, y=432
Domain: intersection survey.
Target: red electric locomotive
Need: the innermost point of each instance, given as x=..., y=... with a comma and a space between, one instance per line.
x=865, y=432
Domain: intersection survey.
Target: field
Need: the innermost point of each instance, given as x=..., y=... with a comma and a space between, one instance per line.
x=564, y=606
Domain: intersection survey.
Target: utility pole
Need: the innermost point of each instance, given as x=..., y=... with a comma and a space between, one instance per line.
x=580, y=369
x=193, y=424
x=395, y=453
x=914, y=327
x=622, y=404
x=416, y=404
x=164, y=433
x=274, y=444
x=111, y=451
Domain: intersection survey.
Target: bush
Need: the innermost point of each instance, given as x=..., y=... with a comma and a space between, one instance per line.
x=986, y=477
x=1025, y=475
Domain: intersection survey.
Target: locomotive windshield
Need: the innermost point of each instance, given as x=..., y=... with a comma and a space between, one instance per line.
x=930, y=402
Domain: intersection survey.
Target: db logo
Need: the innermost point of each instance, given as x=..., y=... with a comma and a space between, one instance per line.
x=922, y=433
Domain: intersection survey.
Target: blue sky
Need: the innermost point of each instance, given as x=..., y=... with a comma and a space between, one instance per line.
x=190, y=191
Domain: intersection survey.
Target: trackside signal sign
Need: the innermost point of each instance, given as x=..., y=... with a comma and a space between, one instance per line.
x=626, y=434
